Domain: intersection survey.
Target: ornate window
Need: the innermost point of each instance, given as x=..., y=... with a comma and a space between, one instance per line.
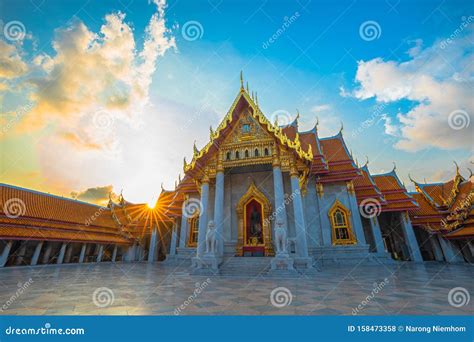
x=266, y=152
x=237, y=156
x=193, y=231
x=228, y=156
x=342, y=233
x=256, y=152
x=246, y=153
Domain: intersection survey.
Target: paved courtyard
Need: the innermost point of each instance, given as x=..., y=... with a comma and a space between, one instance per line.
x=159, y=289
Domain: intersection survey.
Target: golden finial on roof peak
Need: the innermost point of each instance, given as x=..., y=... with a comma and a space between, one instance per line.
x=241, y=80
x=256, y=99
x=457, y=167
x=211, y=131
x=247, y=85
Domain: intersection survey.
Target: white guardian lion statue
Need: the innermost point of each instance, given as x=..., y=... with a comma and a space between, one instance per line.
x=280, y=238
x=211, y=242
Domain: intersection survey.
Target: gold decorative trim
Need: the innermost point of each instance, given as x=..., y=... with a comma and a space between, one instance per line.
x=254, y=193
x=348, y=225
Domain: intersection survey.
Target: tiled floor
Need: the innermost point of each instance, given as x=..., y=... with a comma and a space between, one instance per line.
x=158, y=289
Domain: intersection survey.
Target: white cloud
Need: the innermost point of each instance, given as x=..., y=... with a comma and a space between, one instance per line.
x=320, y=108
x=389, y=127
x=438, y=81
x=91, y=72
x=11, y=63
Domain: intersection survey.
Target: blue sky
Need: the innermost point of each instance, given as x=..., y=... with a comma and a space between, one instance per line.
x=319, y=64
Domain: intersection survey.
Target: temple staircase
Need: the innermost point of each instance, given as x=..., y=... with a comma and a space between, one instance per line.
x=245, y=266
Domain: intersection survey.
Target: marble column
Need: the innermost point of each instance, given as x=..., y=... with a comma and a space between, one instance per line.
x=183, y=235
x=377, y=233
x=47, y=252
x=83, y=253
x=36, y=254
x=61, y=253
x=5, y=253
x=300, y=225
x=451, y=253
x=100, y=253
x=67, y=257
x=21, y=253
x=152, y=248
x=410, y=237
x=313, y=225
x=219, y=208
x=438, y=253
x=355, y=214
x=324, y=205
x=174, y=239
x=201, y=246
x=280, y=209
x=114, y=253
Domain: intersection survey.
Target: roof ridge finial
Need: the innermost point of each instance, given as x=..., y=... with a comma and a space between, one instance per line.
x=241, y=80
x=366, y=160
x=413, y=181
x=342, y=127
x=247, y=84
x=470, y=171
x=162, y=187
x=256, y=99
x=394, y=166
x=457, y=167
x=252, y=95
x=357, y=163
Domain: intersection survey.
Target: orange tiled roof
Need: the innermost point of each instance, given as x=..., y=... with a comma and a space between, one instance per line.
x=58, y=218
x=340, y=164
x=394, y=192
x=365, y=187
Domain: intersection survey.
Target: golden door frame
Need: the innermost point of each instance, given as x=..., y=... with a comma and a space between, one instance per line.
x=254, y=193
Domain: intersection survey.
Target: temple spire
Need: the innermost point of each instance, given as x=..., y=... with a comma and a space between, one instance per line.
x=241, y=80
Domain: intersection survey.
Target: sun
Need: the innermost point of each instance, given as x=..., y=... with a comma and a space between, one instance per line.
x=151, y=205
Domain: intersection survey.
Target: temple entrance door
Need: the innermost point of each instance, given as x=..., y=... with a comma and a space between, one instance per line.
x=253, y=212
x=254, y=241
